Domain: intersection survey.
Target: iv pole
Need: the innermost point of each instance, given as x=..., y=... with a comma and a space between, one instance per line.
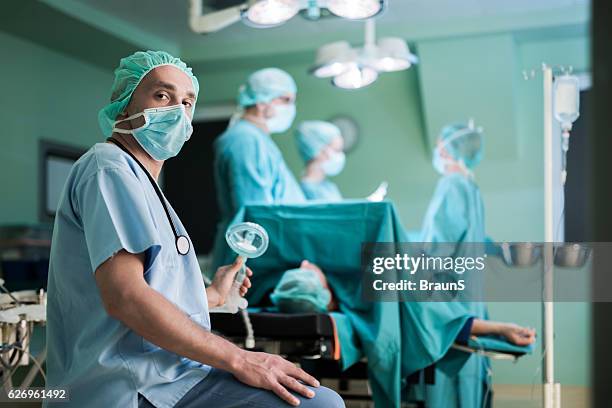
x=551, y=390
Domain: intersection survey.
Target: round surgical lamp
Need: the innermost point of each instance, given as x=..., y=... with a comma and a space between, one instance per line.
x=269, y=13
x=393, y=55
x=333, y=59
x=355, y=77
x=355, y=9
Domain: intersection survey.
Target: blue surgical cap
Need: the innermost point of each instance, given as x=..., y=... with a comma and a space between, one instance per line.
x=464, y=143
x=300, y=291
x=264, y=85
x=313, y=135
x=128, y=75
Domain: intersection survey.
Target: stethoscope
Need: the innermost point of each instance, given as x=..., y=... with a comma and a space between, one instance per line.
x=181, y=241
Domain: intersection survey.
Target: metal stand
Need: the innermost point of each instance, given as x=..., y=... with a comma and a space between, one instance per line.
x=551, y=390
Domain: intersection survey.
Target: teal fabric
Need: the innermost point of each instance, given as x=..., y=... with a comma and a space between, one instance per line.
x=300, y=291
x=129, y=73
x=497, y=343
x=325, y=190
x=455, y=212
x=249, y=168
x=108, y=204
x=455, y=215
x=398, y=339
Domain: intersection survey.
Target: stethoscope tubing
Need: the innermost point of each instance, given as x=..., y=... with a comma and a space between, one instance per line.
x=179, y=240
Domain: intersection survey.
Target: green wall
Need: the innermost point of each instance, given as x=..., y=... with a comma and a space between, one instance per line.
x=45, y=95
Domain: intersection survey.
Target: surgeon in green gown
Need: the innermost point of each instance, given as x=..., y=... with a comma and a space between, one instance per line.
x=249, y=168
x=456, y=215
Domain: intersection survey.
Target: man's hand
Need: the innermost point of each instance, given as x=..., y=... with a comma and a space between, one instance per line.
x=515, y=334
x=219, y=290
x=273, y=373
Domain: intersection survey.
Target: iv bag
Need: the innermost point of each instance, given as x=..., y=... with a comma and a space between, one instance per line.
x=567, y=100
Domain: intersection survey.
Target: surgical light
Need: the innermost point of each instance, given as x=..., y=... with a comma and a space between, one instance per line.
x=355, y=77
x=355, y=9
x=354, y=68
x=333, y=59
x=268, y=13
x=393, y=55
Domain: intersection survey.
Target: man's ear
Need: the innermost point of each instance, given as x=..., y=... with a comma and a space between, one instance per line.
x=267, y=111
x=122, y=115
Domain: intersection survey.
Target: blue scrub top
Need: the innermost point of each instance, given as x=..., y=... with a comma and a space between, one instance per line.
x=249, y=169
x=108, y=204
x=324, y=190
x=455, y=212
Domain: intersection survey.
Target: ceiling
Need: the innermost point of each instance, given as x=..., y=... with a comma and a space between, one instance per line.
x=163, y=23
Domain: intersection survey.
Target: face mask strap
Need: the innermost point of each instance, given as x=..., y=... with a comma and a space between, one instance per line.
x=128, y=131
x=134, y=116
x=459, y=133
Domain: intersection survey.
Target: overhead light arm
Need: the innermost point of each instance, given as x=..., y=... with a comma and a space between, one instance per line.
x=215, y=21
x=370, y=33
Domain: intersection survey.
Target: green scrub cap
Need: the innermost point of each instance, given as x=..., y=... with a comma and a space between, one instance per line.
x=464, y=143
x=300, y=291
x=264, y=85
x=312, y=136
x=128, y=75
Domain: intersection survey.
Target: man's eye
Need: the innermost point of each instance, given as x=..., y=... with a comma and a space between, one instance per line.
x=188, y=103
x=162, y=96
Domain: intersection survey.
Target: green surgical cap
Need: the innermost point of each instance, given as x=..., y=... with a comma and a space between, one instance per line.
x=312, y=136
x=264, y=85
x=300, y=291
x=128, y=75
x=463, y=142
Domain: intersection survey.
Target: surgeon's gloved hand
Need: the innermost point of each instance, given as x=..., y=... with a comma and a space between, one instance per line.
x=379, y=194
x=219, y=290
x=274, y=373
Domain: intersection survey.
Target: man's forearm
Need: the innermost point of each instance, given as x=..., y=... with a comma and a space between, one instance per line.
x=484, y=327
x=159, y=321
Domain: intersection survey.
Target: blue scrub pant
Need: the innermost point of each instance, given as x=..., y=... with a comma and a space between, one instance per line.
x=221, y=390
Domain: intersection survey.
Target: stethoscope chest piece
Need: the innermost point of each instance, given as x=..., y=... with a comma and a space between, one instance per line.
x=182, y=245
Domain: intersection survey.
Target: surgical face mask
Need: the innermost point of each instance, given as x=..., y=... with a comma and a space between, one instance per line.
x=282, y=119
x=439, y=162
x=334, y=164
x=164, y=132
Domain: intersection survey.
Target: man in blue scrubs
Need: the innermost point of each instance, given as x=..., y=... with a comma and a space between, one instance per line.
x=128, y=322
